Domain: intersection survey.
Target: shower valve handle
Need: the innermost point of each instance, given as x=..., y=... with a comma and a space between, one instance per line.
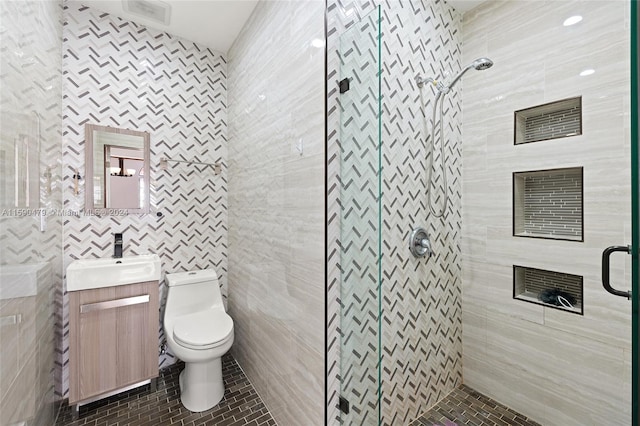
x=419, y=243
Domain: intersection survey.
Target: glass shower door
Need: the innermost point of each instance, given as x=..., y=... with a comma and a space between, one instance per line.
x=360, y=222
x=634, y=248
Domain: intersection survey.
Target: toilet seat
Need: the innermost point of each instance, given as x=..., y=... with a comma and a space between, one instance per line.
x=203, y=330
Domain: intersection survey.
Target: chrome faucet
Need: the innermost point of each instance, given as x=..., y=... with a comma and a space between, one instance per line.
x=117, y=246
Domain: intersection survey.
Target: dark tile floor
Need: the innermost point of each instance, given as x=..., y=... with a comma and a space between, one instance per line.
x=464, y=406
x=241, y=404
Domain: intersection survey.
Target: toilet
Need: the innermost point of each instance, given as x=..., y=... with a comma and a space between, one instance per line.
x=198, y=331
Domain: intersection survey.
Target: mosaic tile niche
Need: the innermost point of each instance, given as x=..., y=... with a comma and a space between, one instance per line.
x=554, y=120
x=548, y=204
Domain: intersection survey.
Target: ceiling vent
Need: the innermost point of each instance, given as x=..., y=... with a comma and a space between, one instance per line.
x=154, y=10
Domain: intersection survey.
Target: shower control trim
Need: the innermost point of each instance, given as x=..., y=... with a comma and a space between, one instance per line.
x=419, y=243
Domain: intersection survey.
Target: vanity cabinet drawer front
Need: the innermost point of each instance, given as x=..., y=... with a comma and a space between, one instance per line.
x=114, y=338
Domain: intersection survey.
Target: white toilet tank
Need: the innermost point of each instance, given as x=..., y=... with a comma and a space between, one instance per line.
x=193, y=291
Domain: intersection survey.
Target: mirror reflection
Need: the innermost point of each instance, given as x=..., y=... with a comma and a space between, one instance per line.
x=117, y=169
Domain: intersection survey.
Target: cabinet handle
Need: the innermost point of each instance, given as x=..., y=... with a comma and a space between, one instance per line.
x=117, y=303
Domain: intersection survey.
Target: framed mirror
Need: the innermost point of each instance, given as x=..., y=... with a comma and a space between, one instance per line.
x=117, y=170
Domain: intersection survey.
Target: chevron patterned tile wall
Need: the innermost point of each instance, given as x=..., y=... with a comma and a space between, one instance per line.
x=30, y=50
x=121, y=74
x=421, y=310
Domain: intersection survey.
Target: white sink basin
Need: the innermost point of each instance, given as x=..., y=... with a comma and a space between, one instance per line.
x=85, y=274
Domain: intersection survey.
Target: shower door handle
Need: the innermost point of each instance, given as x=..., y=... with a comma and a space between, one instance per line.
x=606, y=254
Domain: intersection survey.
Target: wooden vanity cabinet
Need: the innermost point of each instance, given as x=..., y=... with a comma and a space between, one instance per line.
x=113, y=335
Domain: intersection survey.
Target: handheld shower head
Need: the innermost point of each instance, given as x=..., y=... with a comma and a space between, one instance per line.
x=482, y=64
x=479, y=64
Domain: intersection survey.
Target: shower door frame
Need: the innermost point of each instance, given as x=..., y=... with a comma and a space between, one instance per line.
x=635, y=210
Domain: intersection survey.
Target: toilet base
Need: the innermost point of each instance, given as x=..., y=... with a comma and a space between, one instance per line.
x=201, y=385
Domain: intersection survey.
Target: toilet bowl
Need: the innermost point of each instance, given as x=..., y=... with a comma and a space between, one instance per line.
x=198, y=331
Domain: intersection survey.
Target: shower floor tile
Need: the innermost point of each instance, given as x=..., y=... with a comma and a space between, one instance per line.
x=466, y=407
x=241, y=404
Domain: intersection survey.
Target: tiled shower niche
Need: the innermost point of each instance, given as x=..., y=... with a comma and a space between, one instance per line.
x=543, y=287
x=549, y=204
x=554, y=120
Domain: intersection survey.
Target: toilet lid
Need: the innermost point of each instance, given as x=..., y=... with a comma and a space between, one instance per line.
x=203, y=328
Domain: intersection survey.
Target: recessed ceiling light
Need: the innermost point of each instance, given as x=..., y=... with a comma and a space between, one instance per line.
x=586, y=72
x=572, y=20
x=317, y=42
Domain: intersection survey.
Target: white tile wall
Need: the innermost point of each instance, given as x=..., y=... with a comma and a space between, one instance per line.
x=556, y=367
x=30, y=50
x=276, y=206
